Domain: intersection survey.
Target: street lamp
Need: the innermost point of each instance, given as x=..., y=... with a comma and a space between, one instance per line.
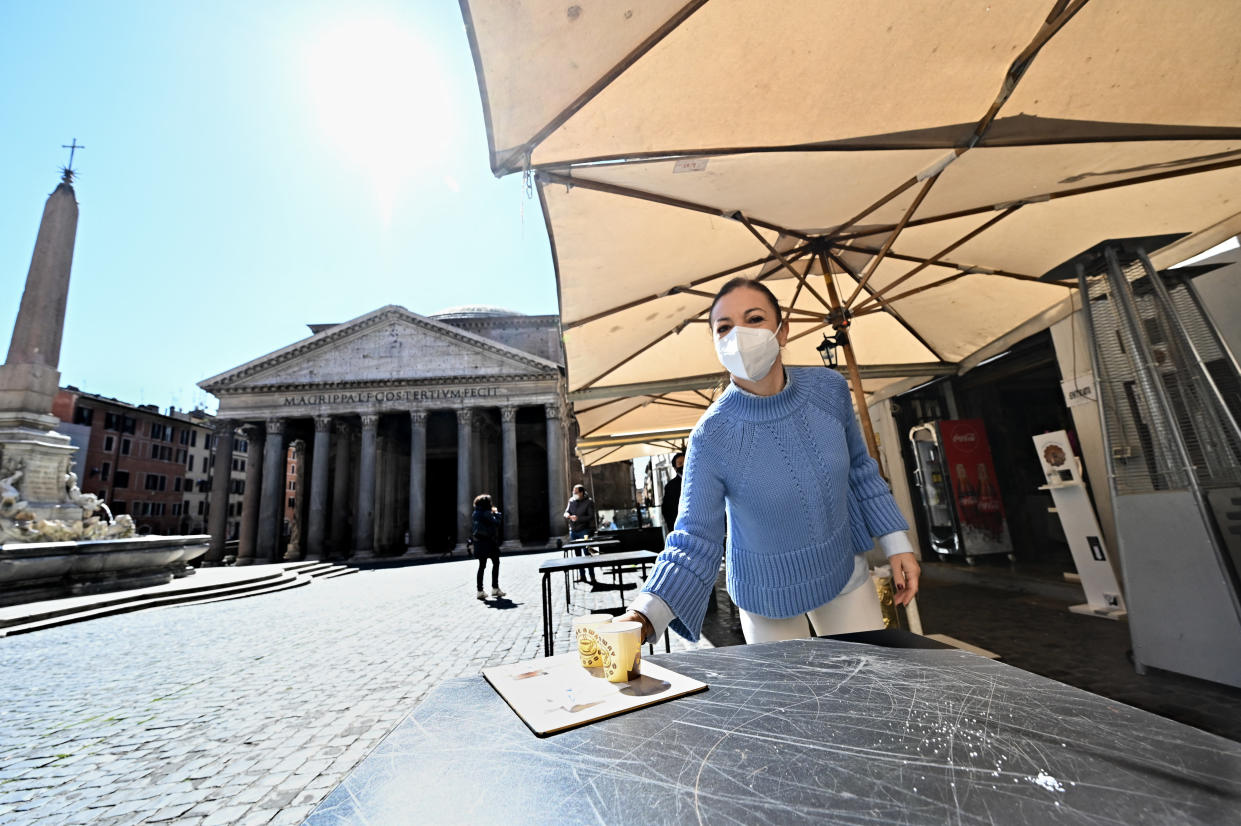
x=840, y=320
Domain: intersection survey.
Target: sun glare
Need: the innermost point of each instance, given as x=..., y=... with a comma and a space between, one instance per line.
x=381, y=98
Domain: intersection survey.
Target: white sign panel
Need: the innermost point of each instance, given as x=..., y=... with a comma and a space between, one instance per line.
x=1080, y=390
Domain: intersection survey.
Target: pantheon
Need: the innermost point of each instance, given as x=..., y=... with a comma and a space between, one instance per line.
x=398, y=420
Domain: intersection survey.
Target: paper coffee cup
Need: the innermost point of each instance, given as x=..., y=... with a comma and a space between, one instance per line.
x=620, y=644
x=588, y=643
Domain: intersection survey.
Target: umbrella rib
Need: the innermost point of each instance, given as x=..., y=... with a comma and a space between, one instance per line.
x=1053, y=196
x=918, y=260
x=891, y=239
x=602, y=425
x=705, y=397
x=595, y=461
x=664, y=400
x=641, y=350
x=945, y=280
x=604, y=80
x=805, y=333
x=1061, y=13
x=880, y=293
x=891, y=310
x=1180, y=133
x=801, y=282
x=705, y=294
x=1059, y=16
x=876, y=205
x=675, y=290
x=784, y=262
x=579, y=410
x=629, y=192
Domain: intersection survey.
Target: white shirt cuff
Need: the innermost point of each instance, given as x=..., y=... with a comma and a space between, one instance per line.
x=655, y=610
x=895, y=543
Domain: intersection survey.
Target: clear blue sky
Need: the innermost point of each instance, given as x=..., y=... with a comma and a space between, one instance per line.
x=251, y=168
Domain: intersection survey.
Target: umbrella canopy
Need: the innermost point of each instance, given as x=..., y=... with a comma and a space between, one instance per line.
x=905, y=172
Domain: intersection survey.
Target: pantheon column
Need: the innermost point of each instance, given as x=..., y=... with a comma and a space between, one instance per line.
x=340, y=489
x=364, y=528
x=250, y=505
x=296, y=549
x=508, y=438
x=465, y=497
x=417, y=481
x=555, y=470
x=221, y=478
x=272, y=503
x=318, y=488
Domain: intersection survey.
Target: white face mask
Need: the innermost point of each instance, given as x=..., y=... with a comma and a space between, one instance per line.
x=748, y=352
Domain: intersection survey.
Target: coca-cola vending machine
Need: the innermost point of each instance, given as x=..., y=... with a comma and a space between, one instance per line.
x=956, y=476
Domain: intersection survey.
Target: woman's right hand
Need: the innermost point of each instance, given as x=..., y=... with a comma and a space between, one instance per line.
x=639, y=617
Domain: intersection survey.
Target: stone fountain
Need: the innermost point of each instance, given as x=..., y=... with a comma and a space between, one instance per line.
x=58, y=541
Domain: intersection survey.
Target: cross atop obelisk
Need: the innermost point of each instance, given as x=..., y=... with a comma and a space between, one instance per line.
x=66, y=172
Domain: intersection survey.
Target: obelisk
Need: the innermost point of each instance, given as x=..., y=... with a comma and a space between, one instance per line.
x=29, y=378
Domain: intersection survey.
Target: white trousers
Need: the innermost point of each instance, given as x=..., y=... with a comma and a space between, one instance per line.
x=856, y=610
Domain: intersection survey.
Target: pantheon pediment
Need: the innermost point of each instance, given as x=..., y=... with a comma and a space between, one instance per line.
x=386, y=345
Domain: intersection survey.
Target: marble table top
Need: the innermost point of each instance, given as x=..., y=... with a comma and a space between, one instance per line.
x=819, y=731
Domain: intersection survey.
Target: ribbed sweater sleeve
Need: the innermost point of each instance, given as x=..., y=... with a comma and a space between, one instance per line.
x=872, y=508
x=685, y=573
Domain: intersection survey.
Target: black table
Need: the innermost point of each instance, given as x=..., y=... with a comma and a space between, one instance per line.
x=809, y=731
x=576, y=547
x=579, y=544
x=614, y=561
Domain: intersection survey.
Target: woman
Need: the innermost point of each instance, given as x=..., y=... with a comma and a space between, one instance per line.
x=779, y=459
x=486, y=522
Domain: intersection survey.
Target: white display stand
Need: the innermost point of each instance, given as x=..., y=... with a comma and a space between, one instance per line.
x=1081, y=528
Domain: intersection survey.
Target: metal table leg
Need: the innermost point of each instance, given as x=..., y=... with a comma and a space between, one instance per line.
x=547, y=615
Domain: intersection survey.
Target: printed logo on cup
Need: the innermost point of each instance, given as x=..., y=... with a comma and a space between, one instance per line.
x=620, y=643
x=587, y=640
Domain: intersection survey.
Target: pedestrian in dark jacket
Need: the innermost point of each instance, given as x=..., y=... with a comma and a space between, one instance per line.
x=580, y=514
x=486, y=521
x=672, y=494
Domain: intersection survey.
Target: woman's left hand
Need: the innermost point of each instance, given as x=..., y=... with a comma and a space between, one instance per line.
x=905, y=572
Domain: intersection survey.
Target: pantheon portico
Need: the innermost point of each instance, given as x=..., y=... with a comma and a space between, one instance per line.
x=398, y=421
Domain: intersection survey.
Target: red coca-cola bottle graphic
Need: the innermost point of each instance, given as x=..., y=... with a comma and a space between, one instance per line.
x=967, y=497
x=990, y=510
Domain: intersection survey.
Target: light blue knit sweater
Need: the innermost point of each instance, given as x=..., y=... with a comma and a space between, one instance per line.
x=791, y=475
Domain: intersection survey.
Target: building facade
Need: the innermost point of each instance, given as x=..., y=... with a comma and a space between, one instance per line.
x=134, y=457
x=197, y=489
x=372, y=437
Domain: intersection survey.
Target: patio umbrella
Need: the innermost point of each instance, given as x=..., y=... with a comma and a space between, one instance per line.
x=901, y=174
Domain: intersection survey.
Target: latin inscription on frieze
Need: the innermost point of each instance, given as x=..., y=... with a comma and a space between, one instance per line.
x=380, y=397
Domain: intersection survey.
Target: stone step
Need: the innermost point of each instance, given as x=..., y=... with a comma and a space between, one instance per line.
x=340, y=570
x=302, y=565
x=316, y=570
x=231, y=590
x=225, y=584
x=216, y=578
x=285, y=584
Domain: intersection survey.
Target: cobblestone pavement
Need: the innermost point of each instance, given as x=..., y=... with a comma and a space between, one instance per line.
x=249, y=711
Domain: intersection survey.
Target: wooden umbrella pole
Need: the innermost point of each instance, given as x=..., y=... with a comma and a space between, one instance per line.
x=855, y=376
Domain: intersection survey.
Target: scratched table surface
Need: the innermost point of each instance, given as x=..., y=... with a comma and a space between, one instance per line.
x=805, y=731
